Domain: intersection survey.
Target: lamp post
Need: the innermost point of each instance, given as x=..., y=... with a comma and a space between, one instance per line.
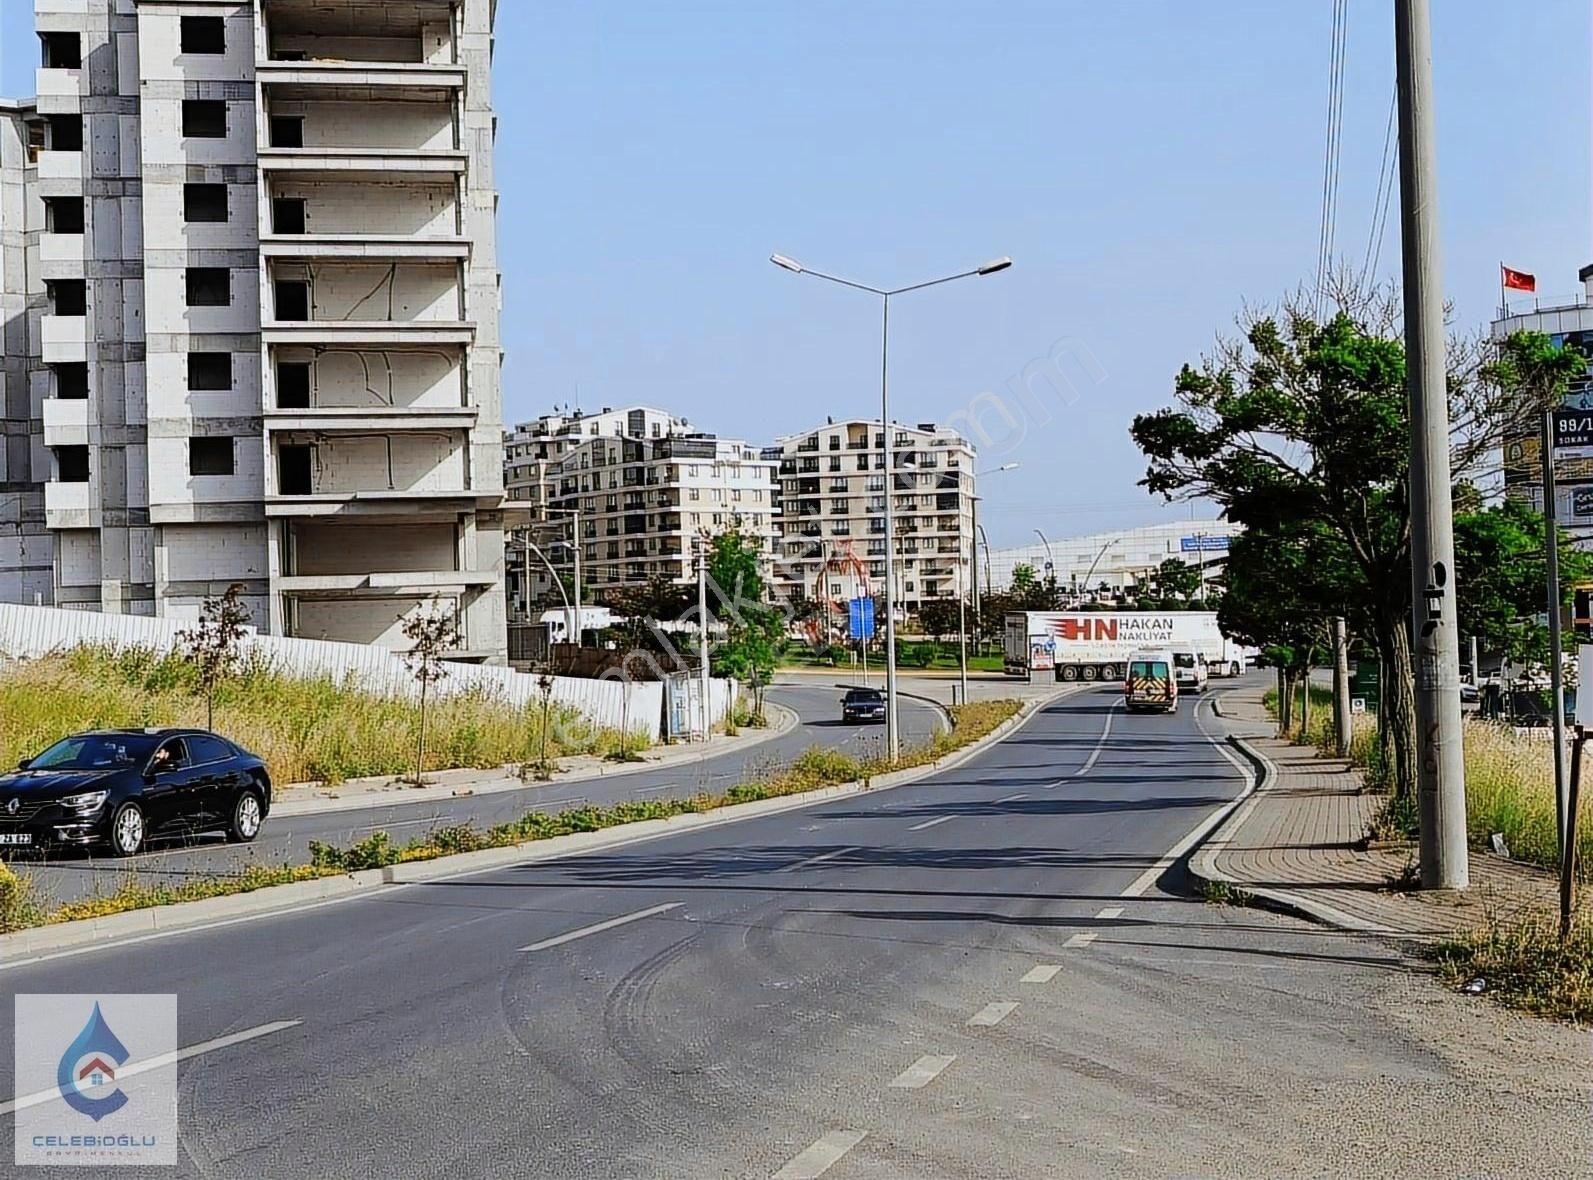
x=574, y=610
x=973, y=560
x=892, y=738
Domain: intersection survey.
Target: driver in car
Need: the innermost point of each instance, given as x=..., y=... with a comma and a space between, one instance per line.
x=162, y=760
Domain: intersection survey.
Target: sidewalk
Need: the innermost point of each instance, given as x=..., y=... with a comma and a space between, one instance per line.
x=1298, y=842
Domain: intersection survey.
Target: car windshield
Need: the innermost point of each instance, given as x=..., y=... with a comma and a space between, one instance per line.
x=95, y=751
x=1184, y=659
x=1147, y=668
x=863, y=696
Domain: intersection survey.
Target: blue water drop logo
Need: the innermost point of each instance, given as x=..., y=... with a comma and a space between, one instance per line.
x=86, y=1075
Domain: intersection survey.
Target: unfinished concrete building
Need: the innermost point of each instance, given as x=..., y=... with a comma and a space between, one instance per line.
x=267, y=333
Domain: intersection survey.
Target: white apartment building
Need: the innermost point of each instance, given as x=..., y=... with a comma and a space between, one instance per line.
x=832, y=512
x=263, y=305
x=643, y=502
x=530, y=451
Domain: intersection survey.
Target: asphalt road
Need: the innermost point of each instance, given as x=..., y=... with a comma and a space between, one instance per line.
x=286, y=839
x=978, y=975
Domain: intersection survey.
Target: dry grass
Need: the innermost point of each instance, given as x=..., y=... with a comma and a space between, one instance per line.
x=1526, y=964
x=306, y=730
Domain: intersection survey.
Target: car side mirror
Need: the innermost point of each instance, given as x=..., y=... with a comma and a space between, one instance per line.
x=23, y=765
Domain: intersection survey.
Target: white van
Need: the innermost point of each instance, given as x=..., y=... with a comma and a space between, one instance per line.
x=1149, y=683
x=1189, y=669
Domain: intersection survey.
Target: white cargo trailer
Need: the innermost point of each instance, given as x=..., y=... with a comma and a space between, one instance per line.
x=1095, y=645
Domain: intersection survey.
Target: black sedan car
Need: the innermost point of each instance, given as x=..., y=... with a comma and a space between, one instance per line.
x=863, y=704
x=121, y=786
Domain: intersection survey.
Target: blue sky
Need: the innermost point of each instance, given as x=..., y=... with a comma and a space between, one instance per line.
x=1150, y=166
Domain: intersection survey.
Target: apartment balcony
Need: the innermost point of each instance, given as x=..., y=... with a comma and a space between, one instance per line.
x=408, y=583
x=60, y=92
x=363, y=247
x=66, y=423
x=417, y=165
x=404, y=81
x=382, y=502
x=61, y=168
x=63, y=339
x=70, y=505
x=365, y=419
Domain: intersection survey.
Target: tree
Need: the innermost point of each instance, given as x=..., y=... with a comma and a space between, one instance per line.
x=938, y=616
x=1300, y=422
x=1024, y=579
x=657, y=599
x=214, y=645
x=432, y=633
x=754, y=630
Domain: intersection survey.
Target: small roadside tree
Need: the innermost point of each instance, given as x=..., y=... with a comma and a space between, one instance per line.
x=214, y=645
x=432, y=633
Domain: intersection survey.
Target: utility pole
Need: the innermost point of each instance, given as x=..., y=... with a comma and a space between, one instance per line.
x=702, y=629
x=1440, y=768
x=1551, y=560
x=1344, y=723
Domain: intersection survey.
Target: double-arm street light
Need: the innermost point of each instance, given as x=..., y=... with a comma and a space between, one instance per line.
x=973, y=575
x=892, y=739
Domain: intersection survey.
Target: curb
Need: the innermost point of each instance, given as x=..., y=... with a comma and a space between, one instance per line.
x=27, y=946
x=1203, y=862
x=508, y=781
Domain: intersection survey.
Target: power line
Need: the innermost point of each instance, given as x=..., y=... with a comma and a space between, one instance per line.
x=1386, y=179
x=1331, y=150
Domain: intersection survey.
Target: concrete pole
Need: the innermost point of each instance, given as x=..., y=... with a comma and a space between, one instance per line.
x=702, y=630
x=1344, y=719
x=962, y=636
x=575, y=552
x=892, y=738
x=1440, y=766
x=1551, y=561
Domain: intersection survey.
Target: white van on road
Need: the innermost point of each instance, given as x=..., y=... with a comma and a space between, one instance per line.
x=1189, y=669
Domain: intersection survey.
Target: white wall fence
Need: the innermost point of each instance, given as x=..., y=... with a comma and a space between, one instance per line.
x=28, y=632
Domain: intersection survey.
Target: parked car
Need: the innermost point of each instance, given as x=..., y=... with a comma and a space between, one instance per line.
x=863, y=704
x=121, y=786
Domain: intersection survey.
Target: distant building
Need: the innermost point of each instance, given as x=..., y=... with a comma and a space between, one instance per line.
x=1567, y=320
x=832, y=512
x=1116, y=559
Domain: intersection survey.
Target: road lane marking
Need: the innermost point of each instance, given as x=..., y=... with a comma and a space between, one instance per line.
x=1078, y=940
x=929, y=823
x=161, y=1061
x=1012, y=798
x=991, y=1015
x=598, y=928
x=401, y=823
x=1045, y=973
x=921, y=1072
x=816, y=860
x=1111, y=912
x=1206, y=826
x=820, y=1157
x=1095, y=754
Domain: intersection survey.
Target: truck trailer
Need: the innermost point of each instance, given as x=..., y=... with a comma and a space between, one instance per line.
x=1096, y=645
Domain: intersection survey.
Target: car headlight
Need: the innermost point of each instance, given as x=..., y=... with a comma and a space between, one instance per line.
x=87, y=801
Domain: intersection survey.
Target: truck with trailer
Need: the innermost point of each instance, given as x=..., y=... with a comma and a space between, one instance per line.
x=1096, y=645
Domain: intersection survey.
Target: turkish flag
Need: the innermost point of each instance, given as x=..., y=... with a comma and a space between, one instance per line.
x=1519, y=280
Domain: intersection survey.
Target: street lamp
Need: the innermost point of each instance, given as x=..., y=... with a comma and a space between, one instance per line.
x=973, y=559
x=575, y=552
x=994, y=266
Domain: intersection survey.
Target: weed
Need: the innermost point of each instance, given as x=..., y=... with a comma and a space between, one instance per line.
x=1525, y=964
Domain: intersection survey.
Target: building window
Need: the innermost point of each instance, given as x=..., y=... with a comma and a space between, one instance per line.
x=72, y=464
x=204, y=118
x=204, y=202
x=68, y=297
x=60, y=51
x=287, y=131
x=287, y=215
x=66, y=133
x=293, y=300
x=63, y=215
x=204, y=34
x=209, y=370
x=293, y=385
x=71, y=381
x=209, y=286
x=294, y=466
x=209, y=456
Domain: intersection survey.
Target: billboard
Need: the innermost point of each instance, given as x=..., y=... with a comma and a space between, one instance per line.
x=1203, y=544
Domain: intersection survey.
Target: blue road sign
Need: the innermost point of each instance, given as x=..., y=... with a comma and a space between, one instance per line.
x=860, y=618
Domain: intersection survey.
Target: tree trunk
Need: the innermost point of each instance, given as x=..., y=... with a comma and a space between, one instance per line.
x=420, y=744
x=1398, y=707
x=1305, y=702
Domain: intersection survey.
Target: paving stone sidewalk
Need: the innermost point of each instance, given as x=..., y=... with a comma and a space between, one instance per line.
x=1300, y=842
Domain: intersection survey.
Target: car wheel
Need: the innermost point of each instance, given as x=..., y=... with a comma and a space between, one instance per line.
x=127, y=830
x=244, y=825
x=1090, y=671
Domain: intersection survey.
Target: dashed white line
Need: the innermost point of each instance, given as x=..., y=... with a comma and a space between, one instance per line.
x=991, y=1015
x=598, y=928
x=401, y=823
x=921, y=1072
x=1012, y=798
x=1110, y=912
x=820, y=1157
x=1095, y=754
x=816, y=860
x=1078, y=940
x=1044, y=973
x=161, y=1061
x=929, y=823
